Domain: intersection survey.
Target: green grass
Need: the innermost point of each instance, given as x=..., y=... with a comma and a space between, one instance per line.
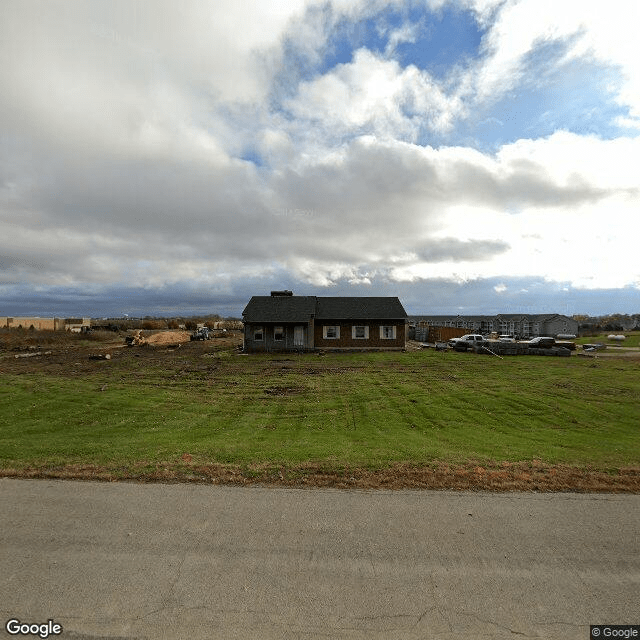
x=348, y=409
x=632, y=339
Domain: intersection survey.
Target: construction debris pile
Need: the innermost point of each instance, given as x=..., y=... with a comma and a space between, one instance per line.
x=542, y=346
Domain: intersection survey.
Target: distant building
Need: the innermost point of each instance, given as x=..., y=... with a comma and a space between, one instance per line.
x=45, y=324
x=521, y=325
x=77, y=325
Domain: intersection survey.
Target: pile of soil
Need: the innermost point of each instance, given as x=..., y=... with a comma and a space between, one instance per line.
x=168, y=337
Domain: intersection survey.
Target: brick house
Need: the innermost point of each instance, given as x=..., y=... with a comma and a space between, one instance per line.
x=284, y=322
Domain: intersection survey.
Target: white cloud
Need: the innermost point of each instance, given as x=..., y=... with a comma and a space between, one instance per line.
x=374, y=95
x=588, y=28
x=122, y=129
x=570, y=158
x=408, y=32
x=136, y=77
x=462, y=202
x=374, y=209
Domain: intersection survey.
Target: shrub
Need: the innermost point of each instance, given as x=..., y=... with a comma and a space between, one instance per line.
x=153, y=324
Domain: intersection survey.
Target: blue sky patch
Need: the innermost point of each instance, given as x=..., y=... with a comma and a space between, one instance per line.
x=252, y=155
x=444, y=40
x=440, y=40
x=578, y=96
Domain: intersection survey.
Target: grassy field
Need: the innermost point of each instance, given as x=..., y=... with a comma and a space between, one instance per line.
x=149, y=409
x=632, y=339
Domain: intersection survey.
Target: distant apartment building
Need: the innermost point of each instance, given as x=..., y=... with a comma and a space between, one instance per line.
x=76, y=325
x=520, y=325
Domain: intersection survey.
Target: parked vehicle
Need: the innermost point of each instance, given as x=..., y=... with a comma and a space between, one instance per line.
x=136, y=339
x=201, y=334
x=466, y=341
x=542, y=342
x=504, y=338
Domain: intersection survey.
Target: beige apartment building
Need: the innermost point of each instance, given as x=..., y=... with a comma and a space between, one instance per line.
x=522, y=325
x=45, y=324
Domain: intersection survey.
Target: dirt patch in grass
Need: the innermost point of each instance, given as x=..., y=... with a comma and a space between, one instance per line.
x=284, y=391
x=506, y=476
x=68, y=355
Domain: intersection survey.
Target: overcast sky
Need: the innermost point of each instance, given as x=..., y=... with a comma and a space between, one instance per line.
x=472, y=156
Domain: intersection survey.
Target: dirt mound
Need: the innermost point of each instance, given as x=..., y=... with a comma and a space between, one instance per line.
x=168, y=337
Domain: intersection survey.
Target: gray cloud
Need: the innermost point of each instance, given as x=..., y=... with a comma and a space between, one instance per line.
x=519, y=184
x=83, y=215
x=122, y=132
x=458, y=250
x=431, y=296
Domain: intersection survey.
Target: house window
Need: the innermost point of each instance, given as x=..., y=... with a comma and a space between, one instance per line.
x=278, y=333
x=258, y=333
x=388, y=333
x=331, y=332
x=360, y=332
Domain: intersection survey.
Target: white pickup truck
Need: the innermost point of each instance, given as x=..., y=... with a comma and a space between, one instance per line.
x=466, y=341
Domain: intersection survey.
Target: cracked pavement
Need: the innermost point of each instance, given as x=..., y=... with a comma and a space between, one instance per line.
x=125, y=560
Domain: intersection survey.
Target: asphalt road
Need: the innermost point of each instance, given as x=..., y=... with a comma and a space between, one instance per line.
x=192, y=561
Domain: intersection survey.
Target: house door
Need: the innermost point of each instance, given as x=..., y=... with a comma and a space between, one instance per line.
x=298, y=336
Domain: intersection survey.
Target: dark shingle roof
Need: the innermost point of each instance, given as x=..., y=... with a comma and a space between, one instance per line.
x=301, y=308
x=526, y=316
x=360, y=309
x=280, y=309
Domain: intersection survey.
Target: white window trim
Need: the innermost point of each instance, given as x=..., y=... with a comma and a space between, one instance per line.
x=366, y=332
x=393, y=332
x=331, y=326
x=256, y=331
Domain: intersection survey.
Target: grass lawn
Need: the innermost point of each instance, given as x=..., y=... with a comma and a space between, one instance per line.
x=632, y=339
x=367, y=410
